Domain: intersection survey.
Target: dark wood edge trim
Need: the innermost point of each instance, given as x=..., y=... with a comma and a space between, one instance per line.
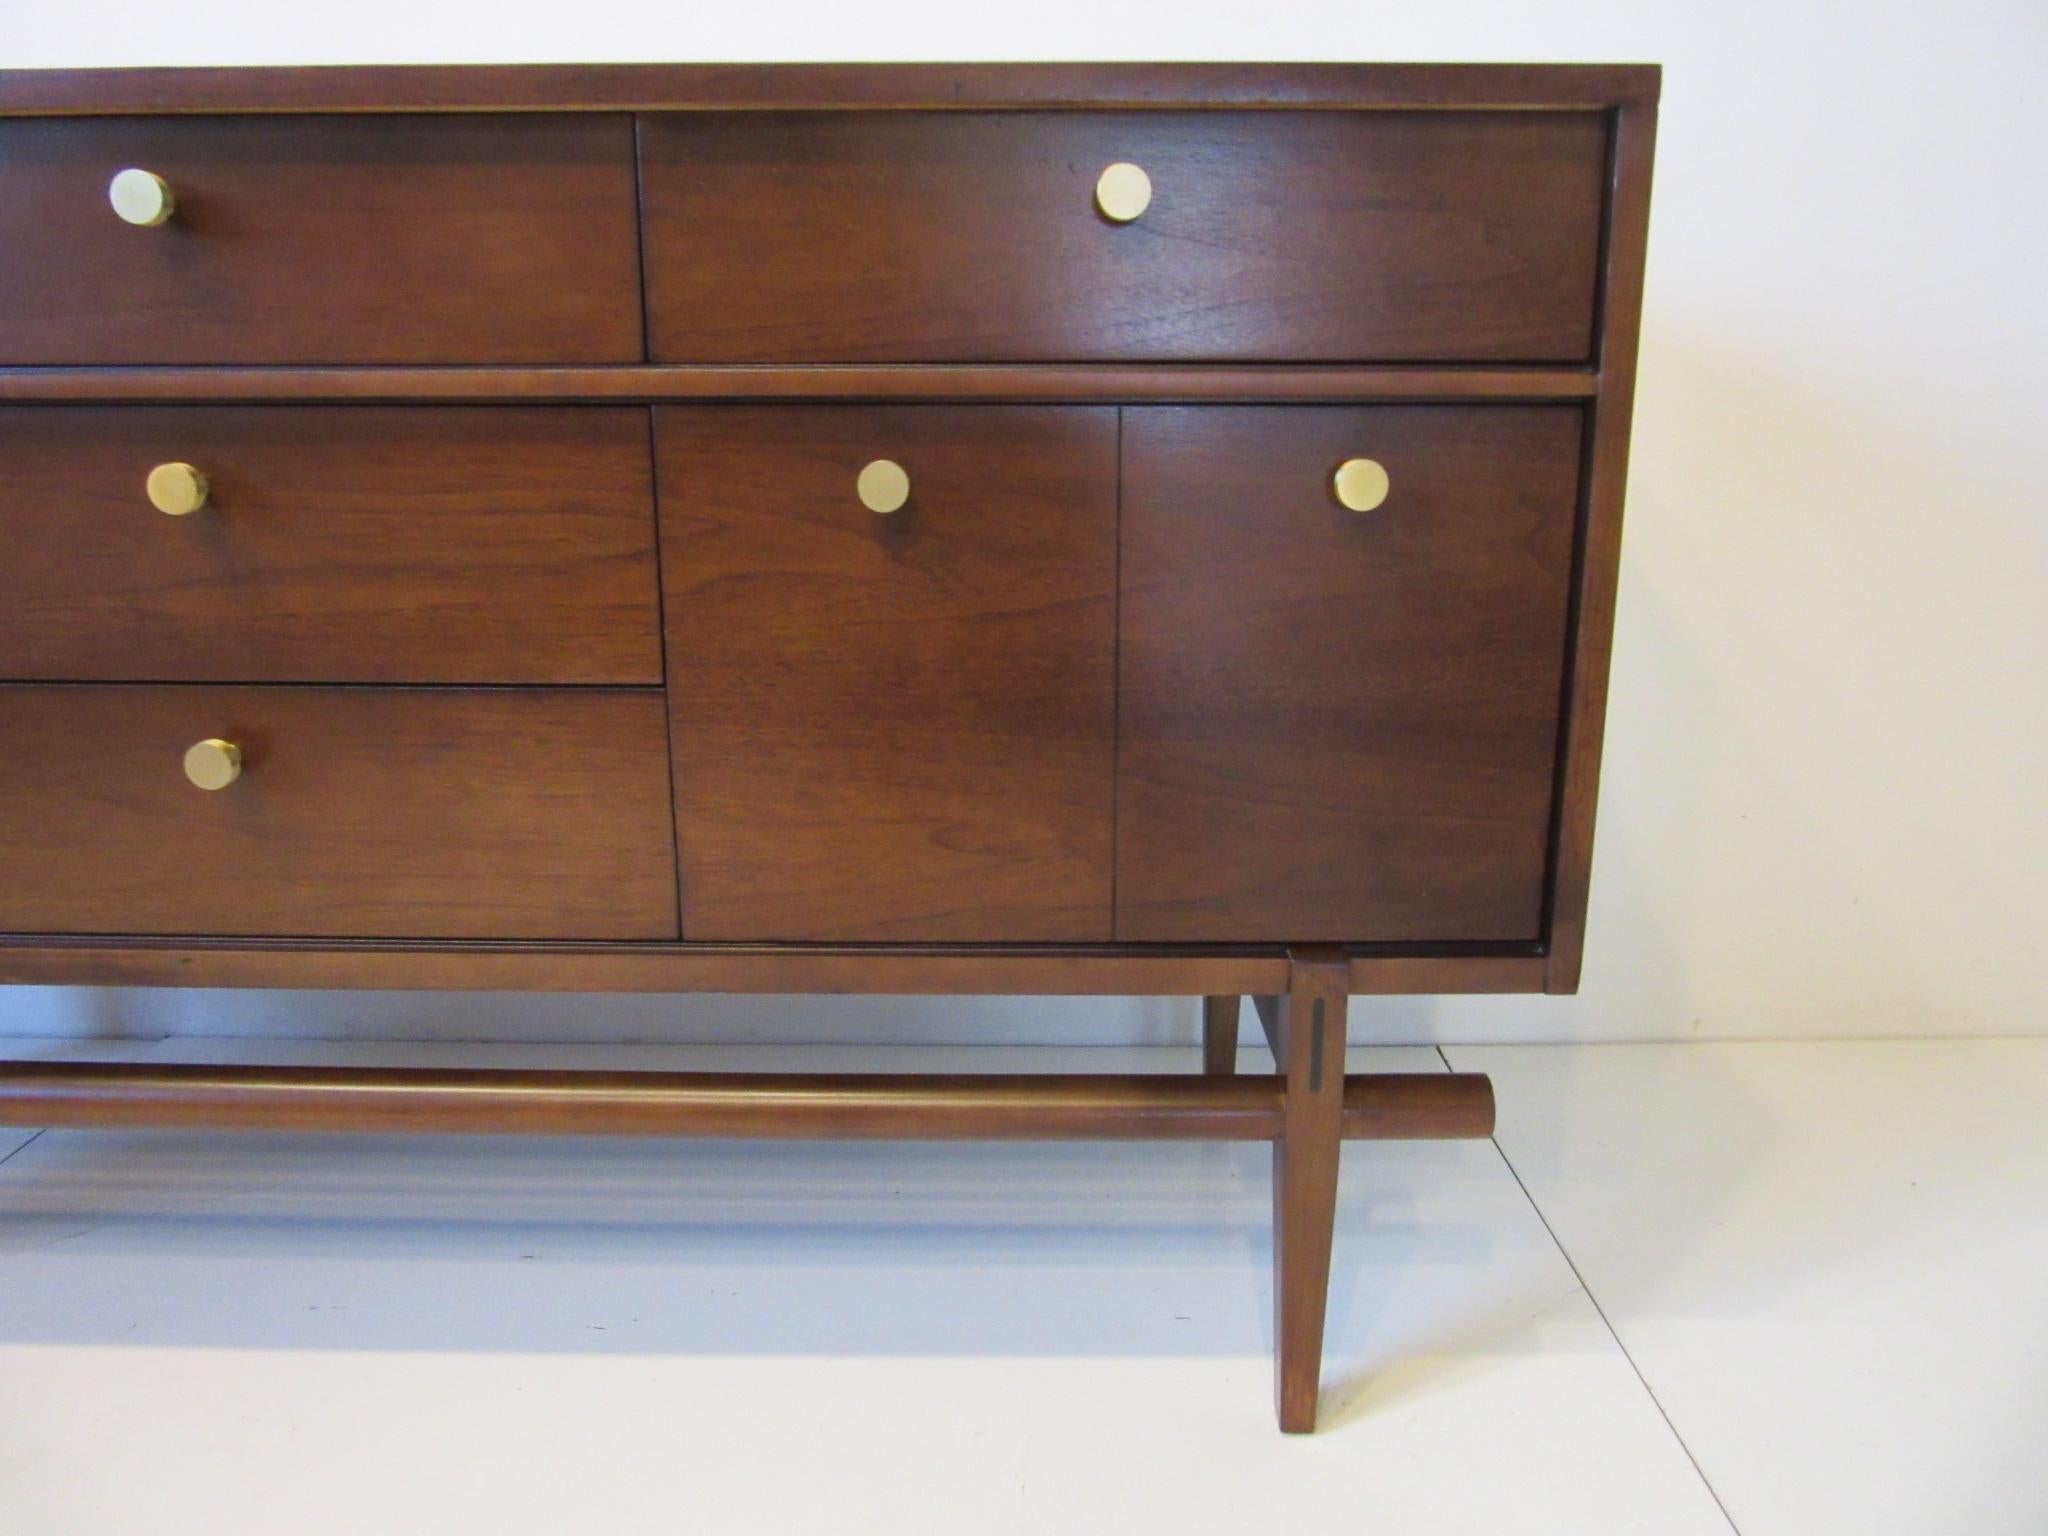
x=1635, y=132
x=423, y=966
x=1132, y=384
x=838, y=1106
x=744, y=87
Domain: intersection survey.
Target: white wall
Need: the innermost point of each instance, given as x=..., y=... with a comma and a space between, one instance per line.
x=1824, y=808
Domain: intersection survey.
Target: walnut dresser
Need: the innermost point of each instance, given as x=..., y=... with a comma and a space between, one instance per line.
x=898, y=529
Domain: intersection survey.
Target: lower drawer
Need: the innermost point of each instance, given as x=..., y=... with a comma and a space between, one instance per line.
x=356, y=812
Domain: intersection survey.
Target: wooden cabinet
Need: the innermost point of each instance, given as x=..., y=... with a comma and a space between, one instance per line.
x=1035, y=529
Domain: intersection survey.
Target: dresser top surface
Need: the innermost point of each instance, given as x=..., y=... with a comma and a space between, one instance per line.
x=740, y=87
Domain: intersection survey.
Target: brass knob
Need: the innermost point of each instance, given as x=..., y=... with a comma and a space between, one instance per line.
x=1122, y=192
x=883, y=486
x=1361, y=484
x=141, y=197
x=177, y=489
x=213, y=763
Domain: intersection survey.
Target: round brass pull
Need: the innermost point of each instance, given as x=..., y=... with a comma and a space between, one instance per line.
x=1361, y=484
x=884, y=486
x=1122, y=192
x=176, y=489
x=141, y=197
x=213, y=763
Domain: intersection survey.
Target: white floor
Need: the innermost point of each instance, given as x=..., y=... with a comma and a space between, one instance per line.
x=1778, y=1289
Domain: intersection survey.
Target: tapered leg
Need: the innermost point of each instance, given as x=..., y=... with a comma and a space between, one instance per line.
x=1310, y=1038
x=1219, y=1035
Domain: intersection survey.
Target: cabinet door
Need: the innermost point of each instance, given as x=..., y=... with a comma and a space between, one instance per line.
x=891, y=725
x=1337, y=724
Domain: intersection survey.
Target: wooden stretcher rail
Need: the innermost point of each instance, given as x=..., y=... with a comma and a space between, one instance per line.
x=844, y=1106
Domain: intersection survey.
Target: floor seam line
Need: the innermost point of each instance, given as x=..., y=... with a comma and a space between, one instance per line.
x=1605, y=1322
x=11, y=1156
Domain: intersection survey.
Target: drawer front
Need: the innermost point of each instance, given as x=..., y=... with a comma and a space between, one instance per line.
x=891, y=725
x=1336, y=724
x=975, y=237
x=375, y=544
x=375, y=239
x=358, y=812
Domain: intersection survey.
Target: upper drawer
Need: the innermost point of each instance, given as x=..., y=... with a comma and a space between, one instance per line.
x=977, y=237
x=443, y=239
x=371, y=544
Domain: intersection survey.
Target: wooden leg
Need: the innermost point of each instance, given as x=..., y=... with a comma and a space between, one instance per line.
x=1311, y=1039
x=1219, y=1035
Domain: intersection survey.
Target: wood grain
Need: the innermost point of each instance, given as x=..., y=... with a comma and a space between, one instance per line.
x=748, y=87
x=891, y=728
x=432, y=239
x=360, y=811
x=973, y=237
x=1334, y=725
x=427, y=545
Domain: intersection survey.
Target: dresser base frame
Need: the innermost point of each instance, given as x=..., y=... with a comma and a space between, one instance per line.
x=1306, y=1110
x=955, y=970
